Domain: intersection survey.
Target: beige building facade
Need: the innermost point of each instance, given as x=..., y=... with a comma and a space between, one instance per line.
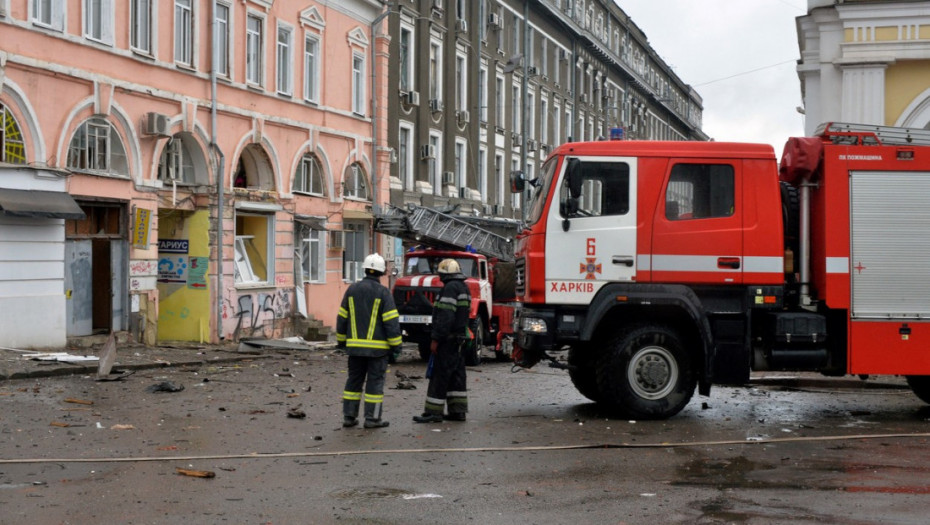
x=149, y=185
x=865, y=62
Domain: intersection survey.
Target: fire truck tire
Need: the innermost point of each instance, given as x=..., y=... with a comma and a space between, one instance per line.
x=473, y=351
x=646, y=373
x=921, y=387
x=583, y=372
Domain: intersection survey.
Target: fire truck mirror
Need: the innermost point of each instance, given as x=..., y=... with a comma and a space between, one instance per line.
x=517, y=182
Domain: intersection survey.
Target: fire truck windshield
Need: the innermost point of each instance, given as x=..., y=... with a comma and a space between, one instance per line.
x=541, y=190
x=429, y=265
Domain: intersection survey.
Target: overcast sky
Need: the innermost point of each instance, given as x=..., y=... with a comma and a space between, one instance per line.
x=739, y=55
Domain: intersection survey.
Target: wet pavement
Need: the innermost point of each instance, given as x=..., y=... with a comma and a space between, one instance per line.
x=788, y=448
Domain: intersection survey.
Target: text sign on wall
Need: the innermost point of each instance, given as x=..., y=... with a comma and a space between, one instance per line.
x=172, y=260
x=141, y=229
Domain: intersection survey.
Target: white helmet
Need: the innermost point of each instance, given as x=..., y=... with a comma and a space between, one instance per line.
x=449, y=266
x=374, y=262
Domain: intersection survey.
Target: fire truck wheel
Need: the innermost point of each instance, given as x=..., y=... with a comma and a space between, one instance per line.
x=646, y=373
x=473, y=351
x=583, y=372
x=921, y=387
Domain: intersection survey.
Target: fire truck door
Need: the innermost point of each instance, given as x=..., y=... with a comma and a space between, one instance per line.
x=591, y=236
x=697, y=225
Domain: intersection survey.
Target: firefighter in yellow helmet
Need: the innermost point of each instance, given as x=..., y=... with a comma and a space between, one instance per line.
x=368, y=328
x=450, y=320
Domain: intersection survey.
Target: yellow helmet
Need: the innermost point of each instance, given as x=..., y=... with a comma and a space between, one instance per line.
x=449, y=266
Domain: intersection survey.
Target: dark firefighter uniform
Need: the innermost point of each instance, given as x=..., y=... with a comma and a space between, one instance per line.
x=447, y=383
x=368, y=327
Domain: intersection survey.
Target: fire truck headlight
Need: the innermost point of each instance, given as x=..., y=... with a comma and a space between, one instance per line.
x=534, y=325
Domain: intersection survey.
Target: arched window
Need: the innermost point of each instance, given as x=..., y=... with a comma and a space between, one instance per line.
x=96, y=147
x=253, y=170
x=12, y=147
x=356, y=182
x=309, y=176
x=177, y=162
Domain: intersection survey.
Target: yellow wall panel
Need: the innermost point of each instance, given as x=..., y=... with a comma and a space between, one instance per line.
x=184, y=312
x=886, y=33
x=904, y=81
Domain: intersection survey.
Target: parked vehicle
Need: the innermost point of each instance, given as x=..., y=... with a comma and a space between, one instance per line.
x=665, y=266
x=486, y=260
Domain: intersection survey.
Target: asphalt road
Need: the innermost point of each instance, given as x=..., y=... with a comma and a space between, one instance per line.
x=782, y=450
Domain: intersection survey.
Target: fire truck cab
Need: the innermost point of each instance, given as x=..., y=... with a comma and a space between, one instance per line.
x=662, y=266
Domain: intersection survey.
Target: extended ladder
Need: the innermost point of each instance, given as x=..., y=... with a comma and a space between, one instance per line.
x=865, y=134
x=426, y=225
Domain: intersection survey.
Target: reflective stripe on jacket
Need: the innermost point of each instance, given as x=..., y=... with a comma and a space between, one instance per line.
x=451, y=309
x=368, y=323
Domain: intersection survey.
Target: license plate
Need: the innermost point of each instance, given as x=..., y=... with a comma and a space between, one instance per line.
x=416, y=319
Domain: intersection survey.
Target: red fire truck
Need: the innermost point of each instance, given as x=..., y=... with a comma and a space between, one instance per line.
x=486, y=260
x=665, y=266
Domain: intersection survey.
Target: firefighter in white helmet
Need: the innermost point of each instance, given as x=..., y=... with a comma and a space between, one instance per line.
x=368, y=328
x=449, y=328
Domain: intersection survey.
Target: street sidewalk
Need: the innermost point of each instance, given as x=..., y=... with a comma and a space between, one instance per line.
x=24, y=364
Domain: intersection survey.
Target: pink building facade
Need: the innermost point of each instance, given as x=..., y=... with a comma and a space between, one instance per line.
x=145, y=187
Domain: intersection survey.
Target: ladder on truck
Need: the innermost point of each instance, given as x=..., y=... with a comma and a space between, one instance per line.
x=420, y=224
x=866, y=134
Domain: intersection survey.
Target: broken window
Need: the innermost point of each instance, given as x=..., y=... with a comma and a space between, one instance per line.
x=309, y=176
x=356, y=182
x=254, y=248
x=311, y=253
x=96, y=147
x=12, y=146
x=176, y=164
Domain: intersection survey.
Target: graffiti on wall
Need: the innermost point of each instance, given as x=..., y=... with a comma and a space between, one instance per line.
x=257, y=314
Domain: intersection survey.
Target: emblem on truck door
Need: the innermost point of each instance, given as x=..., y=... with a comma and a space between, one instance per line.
x=590, y=267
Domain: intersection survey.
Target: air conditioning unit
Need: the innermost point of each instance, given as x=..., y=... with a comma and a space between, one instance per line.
x=487, y=209
x=463, y=193
x=463, y=116
x=156, y=124
x=497, y=210
x=412, y=98
x=516, y=138
x=437, y=4
x=531, y=145
x=435, y=105
x=584, y=98
x=427, y=151
x=532, y=71
x=448, y=178
x=563, y=54
x=337, y=240
x=494, y=20
x=461, y=26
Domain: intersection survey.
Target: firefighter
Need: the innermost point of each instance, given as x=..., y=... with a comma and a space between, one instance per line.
x=450, y=322
x=368, y=328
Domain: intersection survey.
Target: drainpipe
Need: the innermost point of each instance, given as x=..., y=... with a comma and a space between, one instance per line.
x=218, y=174
x=524, y=98
x=374, y=118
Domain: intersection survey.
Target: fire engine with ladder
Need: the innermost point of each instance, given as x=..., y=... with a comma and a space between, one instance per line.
x=486, y=259
x=665, y=267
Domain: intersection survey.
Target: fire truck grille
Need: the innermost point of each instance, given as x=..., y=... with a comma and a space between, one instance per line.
x=415, y=301
x=520, y=276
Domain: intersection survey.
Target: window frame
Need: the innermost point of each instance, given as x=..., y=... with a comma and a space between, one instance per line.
x=223, y=39
x=254, y=50
x=359, y=86
x=11, y=143
x=92, y=139
x=184, y=33
x=407, y=56
x=243, y=255
x=405, y=162
x=54, y=19
x=141, y=16
x=312, y=62
x=359, y=174
x=284, y=63
x=306, y=177
x=97, y=22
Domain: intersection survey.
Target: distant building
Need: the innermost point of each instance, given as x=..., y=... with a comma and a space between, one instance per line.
x=479, y=89
x=866, y=62
x=144, y=187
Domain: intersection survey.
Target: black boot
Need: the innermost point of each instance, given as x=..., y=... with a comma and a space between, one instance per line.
x=349, y=421
x=376, y=423
x=426, y=417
